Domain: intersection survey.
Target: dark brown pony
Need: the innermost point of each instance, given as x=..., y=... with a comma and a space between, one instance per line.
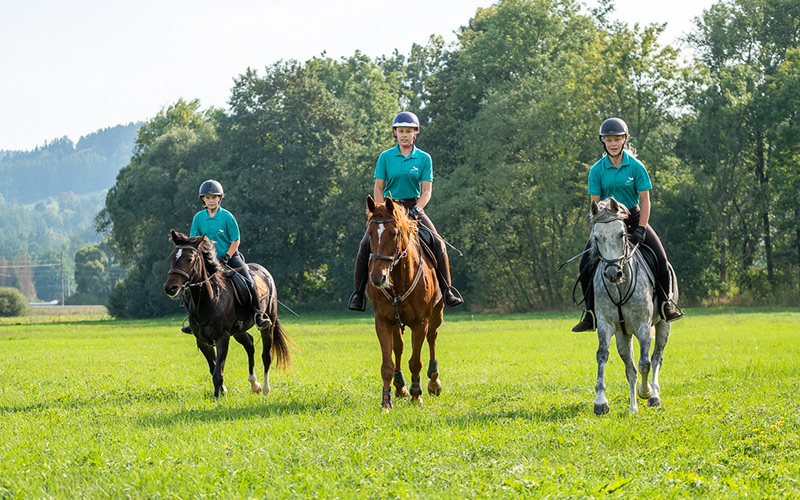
x=404, y=292
x=215, y=314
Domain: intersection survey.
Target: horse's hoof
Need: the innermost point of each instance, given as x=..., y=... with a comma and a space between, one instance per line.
x=644, y=391
x=435, y=387
x=416, y=400
x=401, y=392
x=601, y=409
x=256, y=389
x=266, y=390
x=654, y=401
x=386, y=406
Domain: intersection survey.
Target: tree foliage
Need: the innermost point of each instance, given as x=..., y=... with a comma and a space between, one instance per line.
x=510, y=114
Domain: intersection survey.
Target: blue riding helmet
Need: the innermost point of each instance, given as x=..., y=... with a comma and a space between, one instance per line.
x=405, y=119
x=613, y=126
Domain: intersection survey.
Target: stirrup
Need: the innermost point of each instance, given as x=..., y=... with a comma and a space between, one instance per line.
x=588, y=322
x=452, y=297
x=678, y=314
x=357, y=302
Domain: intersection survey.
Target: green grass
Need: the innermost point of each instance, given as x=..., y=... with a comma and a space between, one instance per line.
x=97, y=408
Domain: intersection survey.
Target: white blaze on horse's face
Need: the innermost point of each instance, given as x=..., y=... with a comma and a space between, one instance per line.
x=381, y=229
x=178, y=254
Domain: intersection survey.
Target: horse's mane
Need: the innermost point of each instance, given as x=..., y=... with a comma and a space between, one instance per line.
x=406, y=225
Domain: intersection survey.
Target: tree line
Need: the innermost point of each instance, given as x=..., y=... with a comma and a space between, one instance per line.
x=510, y=114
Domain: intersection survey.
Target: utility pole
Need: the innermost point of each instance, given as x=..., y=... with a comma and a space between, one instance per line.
x=62, y=279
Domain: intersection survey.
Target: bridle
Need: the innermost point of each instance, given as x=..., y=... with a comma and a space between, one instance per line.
x=394, y=259
x=197, y=269
x=620, y=263
x=195, y=263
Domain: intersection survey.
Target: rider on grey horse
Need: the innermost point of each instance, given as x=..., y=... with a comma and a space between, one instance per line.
x=619, y=174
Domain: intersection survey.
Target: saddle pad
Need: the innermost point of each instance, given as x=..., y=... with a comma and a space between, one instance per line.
x=242, y=290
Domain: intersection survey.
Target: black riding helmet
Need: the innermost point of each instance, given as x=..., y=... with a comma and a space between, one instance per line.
x=613, y=126
x=211, y=187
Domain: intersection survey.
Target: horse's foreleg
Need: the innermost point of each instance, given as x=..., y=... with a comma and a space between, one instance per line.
x=643, y=334
x=400, y=390
x=246, y=340
x=434, y=384
x=604, y=333
x=208, y=353
x=662, y=335
x=625, y=350
x=386, y=333
x=418, y=334
x=222, y=354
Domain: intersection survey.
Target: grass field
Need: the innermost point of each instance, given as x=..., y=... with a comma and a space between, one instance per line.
x=95, y=408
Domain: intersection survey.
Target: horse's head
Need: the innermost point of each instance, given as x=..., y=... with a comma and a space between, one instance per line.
x=390, y=232
x=609, y=237
x=189, y=260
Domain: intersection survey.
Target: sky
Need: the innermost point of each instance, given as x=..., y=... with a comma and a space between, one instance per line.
x=69, y=68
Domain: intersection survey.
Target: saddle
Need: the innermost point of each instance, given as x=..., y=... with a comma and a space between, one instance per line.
x=427, y=240
x=650, y=258
x=240, y=290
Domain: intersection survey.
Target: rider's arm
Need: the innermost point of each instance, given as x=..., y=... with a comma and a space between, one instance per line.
x=234, y=246
x=425, y=194
x=644, y=206
x=377, y=191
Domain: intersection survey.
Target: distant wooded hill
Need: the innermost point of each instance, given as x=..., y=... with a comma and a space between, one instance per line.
x=62, y=166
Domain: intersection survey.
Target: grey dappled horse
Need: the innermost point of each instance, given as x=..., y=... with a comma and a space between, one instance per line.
x=624, y=290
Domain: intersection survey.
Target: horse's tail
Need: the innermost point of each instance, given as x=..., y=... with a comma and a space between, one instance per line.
x=281, y=344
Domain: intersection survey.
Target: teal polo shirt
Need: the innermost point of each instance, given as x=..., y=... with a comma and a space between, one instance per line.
x=222, y=229
x=623, y=183
x=403, y=174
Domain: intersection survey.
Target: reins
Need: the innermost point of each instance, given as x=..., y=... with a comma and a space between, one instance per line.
x=626, y=258
x=399, y=255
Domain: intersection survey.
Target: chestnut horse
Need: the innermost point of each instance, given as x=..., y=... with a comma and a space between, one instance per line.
x=214, y=313
x=404, y=292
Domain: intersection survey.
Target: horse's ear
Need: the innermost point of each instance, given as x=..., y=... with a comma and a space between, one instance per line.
x=370, y=204
x=389, y=205
x=594, y=208
x=172, y=235
x=614, y=205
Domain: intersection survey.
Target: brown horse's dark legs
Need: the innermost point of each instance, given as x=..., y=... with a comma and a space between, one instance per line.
x=418, y=334
x=208, y=352
x=222, y=354
x=246, y=340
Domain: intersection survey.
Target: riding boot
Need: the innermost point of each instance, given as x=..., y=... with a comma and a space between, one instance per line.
x=666, y=308
x=588, y=322
x=261, y=318
x=357, y=302
x=452, y=297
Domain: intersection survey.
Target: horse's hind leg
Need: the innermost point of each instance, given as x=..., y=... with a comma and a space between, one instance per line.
x=266, y=353
x=400, y=390
x=434, y=384
x=246, y=340
x=662, y=335
x=625, y=350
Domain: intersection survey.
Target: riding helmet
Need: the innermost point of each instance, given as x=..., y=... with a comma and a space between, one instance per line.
x=211, y=187
x=613, y=126
x=406, y=119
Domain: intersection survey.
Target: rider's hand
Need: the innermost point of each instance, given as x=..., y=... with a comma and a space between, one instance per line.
x=224, y=259
x=637, y=236
x=415, y=213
